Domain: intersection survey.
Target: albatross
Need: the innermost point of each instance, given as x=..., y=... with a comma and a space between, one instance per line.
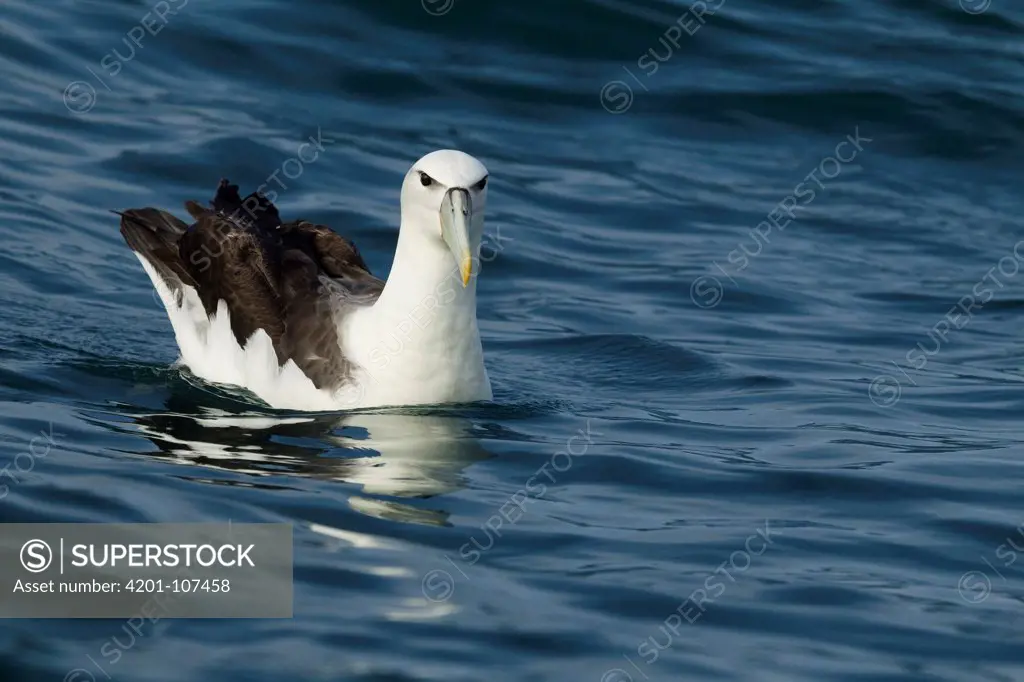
x=291, y=312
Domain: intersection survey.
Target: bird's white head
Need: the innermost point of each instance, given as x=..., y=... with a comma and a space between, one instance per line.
x=443, y=199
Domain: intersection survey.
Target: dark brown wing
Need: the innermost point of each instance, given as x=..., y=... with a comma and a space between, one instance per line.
x=283, y=278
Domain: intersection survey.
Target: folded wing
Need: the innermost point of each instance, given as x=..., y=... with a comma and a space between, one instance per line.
x=289, y=279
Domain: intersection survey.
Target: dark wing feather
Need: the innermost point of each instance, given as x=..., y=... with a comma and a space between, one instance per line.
x=154, y=234
x=274, y=276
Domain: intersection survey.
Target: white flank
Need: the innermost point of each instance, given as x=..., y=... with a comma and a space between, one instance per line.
x=209, y=349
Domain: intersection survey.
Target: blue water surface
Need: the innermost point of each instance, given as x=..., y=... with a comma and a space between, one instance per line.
x=752, y=320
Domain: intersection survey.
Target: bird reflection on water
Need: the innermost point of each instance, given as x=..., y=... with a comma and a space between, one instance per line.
x=388, y=453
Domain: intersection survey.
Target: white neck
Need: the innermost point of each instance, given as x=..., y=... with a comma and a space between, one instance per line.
x=424, y=283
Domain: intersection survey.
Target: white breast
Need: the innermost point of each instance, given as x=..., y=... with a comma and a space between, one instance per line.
x=428, y=357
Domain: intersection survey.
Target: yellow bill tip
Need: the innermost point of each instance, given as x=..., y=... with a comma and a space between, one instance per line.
x=466, y=269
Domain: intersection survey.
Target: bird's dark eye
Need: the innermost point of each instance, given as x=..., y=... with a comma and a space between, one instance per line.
x=426, y=180
x=480, y=185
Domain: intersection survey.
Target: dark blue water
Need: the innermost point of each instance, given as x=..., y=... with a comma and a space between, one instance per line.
x=759, y=284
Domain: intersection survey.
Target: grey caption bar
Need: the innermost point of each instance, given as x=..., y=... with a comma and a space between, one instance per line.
x=153, y=570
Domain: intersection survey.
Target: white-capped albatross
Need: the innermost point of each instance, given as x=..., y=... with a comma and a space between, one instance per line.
x=291, y=312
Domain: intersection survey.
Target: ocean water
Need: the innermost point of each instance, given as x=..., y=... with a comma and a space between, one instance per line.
x=752, y=316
